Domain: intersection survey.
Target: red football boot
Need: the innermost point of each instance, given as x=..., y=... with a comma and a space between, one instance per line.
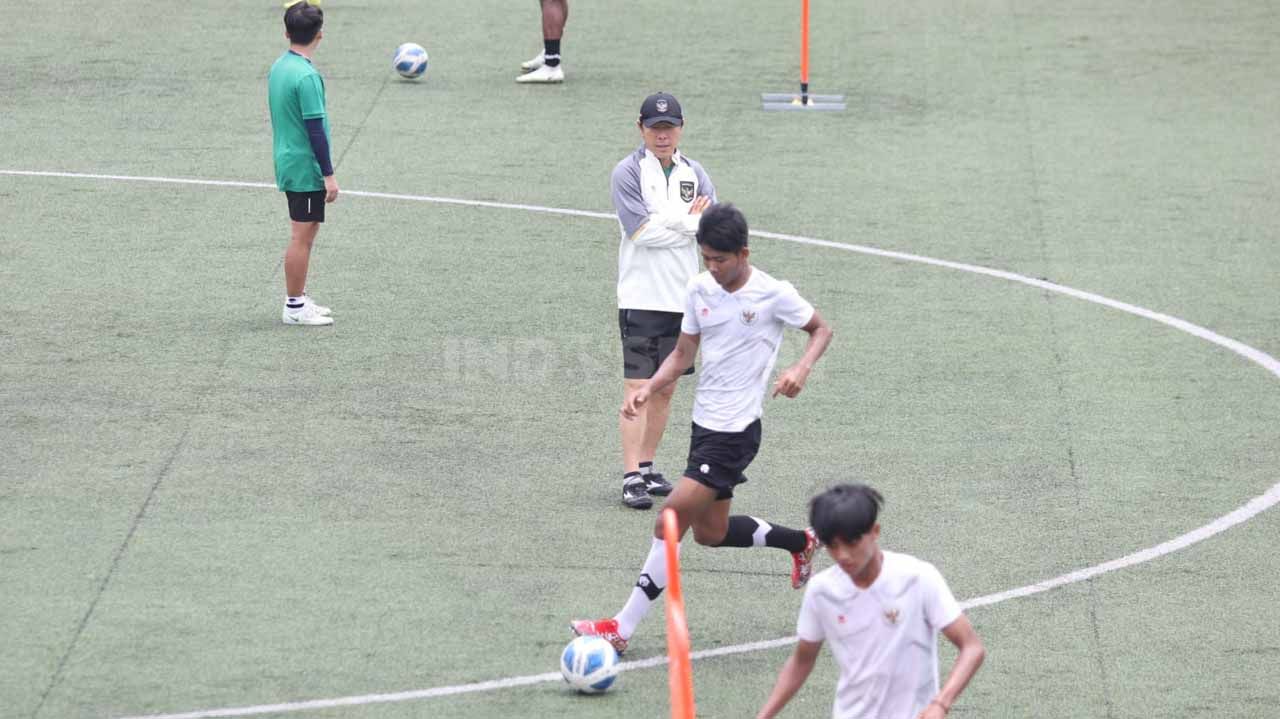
x=606, y=629
x=802, y=561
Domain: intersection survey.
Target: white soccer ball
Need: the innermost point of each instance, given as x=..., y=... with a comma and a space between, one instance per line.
x=589, y=664
x=410, y=60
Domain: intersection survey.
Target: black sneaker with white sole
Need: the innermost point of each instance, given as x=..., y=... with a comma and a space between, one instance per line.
x=634, y=493
x=656, y=484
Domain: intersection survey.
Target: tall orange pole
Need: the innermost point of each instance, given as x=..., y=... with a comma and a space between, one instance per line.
x=680, y=672
x=804, y=51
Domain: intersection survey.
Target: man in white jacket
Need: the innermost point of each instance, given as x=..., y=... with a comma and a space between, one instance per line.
x=659, y=195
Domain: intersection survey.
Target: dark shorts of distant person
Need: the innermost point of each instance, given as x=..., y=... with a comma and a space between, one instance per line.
x=306, y=206
x=648, y=337
x=717, y=459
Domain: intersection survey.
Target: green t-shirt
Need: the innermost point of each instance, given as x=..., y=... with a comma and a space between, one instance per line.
x=295, y=92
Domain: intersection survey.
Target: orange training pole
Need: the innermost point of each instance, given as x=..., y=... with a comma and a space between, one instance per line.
x=788, y=100
x=804, y=51
x=680, y=673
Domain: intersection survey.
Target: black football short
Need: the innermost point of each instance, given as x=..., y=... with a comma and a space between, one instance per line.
x=717, y=459
x=306, y=206
x=647, y=338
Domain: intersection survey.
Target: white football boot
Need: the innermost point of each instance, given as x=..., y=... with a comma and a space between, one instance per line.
x=535, y=63
x=307, y=315
x=320, y=309
x=544, y=74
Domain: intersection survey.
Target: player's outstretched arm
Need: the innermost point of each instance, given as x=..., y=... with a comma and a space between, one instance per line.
x=680, y=359
x=791, y=678
x=792, y=380
x=972, y=652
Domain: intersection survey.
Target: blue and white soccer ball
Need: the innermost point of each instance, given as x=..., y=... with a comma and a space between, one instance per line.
x=410, y=60
x=589, y=664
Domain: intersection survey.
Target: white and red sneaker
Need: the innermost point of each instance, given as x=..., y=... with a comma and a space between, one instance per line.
x=802, y=561
x=606, y=629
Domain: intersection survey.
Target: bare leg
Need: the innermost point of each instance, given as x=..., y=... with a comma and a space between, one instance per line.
x=696, y=506
x=554, y=15
x=297, y=256
x=633, y=433
x=712, y=525
x=655, y=422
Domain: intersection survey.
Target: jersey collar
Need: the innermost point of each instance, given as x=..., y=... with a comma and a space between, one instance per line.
x=676, y=157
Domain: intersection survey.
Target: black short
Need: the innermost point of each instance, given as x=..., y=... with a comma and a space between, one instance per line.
x=647, y=338
x=306, y=206
x=717, y=459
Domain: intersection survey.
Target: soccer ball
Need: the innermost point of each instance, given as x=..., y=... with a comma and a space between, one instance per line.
x=589, y=664
x=410, y=60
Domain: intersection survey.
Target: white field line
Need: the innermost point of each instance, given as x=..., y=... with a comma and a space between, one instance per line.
x=1255, y=506
x=1249, y=510
x=1258, y=357
x=342, y=193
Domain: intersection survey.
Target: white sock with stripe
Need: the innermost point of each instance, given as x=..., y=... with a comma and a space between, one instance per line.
x=653, y=579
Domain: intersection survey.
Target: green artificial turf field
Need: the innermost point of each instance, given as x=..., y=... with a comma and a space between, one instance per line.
x=202, y=509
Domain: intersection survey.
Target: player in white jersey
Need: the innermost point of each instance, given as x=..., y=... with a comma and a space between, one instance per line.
x=881, y=612
x=736, y=314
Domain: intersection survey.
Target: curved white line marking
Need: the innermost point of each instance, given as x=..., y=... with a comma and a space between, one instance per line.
x=1258, y=357
x=1249, y=510
x=343, y=193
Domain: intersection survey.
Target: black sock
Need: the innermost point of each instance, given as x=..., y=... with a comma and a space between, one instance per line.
x=551, y=52
x=744, y=531
x=792, y=540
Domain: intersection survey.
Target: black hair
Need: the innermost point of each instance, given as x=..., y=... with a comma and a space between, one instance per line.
x=302, y=21
x=847, y=511
x=723, y=228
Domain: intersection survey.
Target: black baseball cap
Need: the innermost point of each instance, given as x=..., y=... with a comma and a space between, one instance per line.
x=661, y=107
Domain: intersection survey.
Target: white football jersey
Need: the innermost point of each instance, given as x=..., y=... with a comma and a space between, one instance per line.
x=656, y=262
x=741, y=333
x=884, y=638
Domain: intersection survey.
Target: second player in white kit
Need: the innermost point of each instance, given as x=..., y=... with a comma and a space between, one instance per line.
x=881, y=613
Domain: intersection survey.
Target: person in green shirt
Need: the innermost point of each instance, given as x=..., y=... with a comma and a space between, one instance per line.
x=300, y=144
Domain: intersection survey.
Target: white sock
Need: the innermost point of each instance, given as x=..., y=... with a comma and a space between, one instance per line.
x=295, y=303
x=653, y=579
x=762, y=531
